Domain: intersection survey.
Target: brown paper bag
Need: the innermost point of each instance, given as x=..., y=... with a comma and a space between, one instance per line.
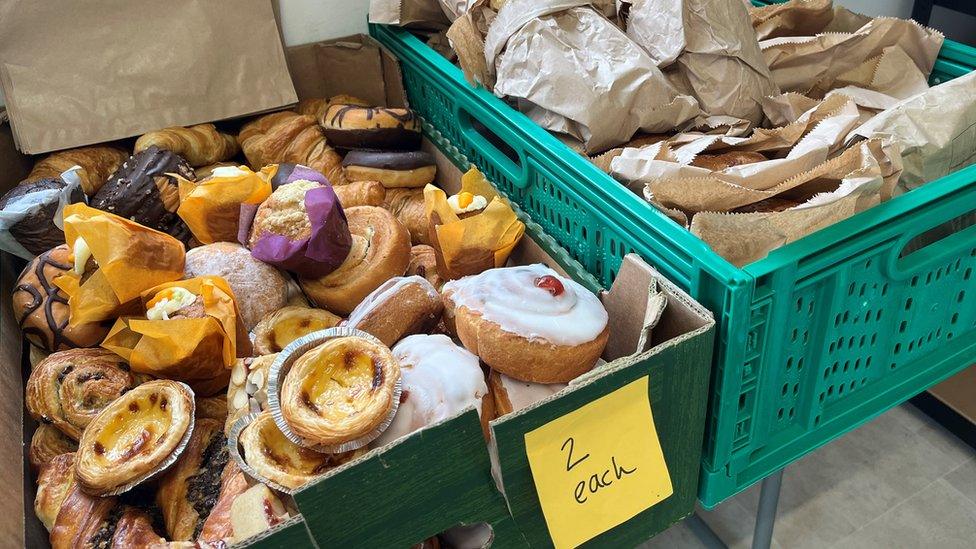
x=795, y=18
x=414, y=14
x=107, y=70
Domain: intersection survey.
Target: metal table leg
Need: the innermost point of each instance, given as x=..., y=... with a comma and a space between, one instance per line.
x=766, y=513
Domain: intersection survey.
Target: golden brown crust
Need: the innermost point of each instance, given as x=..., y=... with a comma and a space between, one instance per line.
x=414, y=178
x=407, y=206
x=188, y=490
x=69, y=388
x=535, y=360
x=380, y=251
x=361, y=193
x=290, y=137
x=41, y=308
x=718, y=162
x=47, y=443
x=339, y=391
x=214, y=407
x=282, y=461
x=276, y=330
x=97, y=164
x=133, y=436
x=233, y=483
x=53, y=484
x=199, y=145
x=423, y=262
x=135, y=529
x=344, y=116
x=414, y=307
x=84, y=521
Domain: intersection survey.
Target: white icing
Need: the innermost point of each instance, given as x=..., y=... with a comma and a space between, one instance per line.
x=377, y=297
x=509, y=298
x=523, y=394
x=439, y=380
x=227, y=171
x=176, y=300
x=81, y=253
x=477, y=203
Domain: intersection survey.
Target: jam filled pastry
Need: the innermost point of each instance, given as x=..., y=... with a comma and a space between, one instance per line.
x=188, y=491
x=256, y=510
x=360, y=127
x=47, y=443
x=135, y=437
x=528, y=322
x=69, y=388
x=275, y=331
x=400, y=307
x=440, y=379
x=380, y=251
x=341, y=391
x=279, y=460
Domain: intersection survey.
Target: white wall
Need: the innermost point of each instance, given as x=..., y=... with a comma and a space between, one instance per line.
x=304, y=21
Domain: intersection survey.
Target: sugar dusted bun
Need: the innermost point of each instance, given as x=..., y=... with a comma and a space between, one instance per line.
x=400, y=307
x=528, y=322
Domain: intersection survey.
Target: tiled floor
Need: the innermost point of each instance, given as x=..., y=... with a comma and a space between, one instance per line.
x=901, y=481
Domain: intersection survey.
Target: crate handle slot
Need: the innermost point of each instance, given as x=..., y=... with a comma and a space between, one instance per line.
x=508, y=160
x=936, y=243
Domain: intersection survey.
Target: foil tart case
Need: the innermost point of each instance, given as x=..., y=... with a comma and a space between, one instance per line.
x=172, y=457
x=234, y=447
x=282, y=365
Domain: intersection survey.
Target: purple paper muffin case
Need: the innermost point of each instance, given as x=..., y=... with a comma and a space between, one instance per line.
x=329, y=242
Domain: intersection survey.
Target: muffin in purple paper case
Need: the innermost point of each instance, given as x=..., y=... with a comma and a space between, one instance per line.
x=301, y=227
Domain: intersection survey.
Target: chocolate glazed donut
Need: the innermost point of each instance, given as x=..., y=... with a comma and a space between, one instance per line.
x=358, y=127
x=42, y=308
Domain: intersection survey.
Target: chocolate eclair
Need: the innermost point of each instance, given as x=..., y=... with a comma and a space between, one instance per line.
x=359, y=127
x=144, y=190
x=41, y=308
x=391, y=168
x=37, y=204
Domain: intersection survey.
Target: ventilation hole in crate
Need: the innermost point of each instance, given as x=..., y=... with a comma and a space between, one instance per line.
x=938, y=333
x=799, y=304
x=867, y=264
x=961, y=296
x=911, y=346
x=864, y=338
x=799, y=364
x=826, y=373
x=789, y=363
x=902, y=326
x=948, y=336
x=929, y=339
x=867, y=316
x=874, y=338
x=928, y=278
x=884, y=289
x=793, y=335
x=969, y=273
x=847, y=315
x=836, y=365
x=908, y=304
x=850, y=289
x=853, y=385
x=867, y=363
x=742, y=402
x=796, y=389
x=840, y=389
x=954, y=319
x=831, y=347
x=816, y=420
x=850, y=343
x=583, y=232
x=893, y=366
x=779, y=414
x=857, y=365
x=897, y=348
x=864, y=381
x=847, y=365
x=786, y=388
x=877, y=316
x=810, y=309
x=806, y=337
x=914, y=281
x=792, y=413
x=863, y=289
x=830, y=390
x=822, y=397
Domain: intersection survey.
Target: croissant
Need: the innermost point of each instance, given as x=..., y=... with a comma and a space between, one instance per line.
x=318, y=106
x=199, y=145
x=290, y=137
x=408, y=207
x=53, y=484
x=97, y=164
x=233, y=483
x=362, y=193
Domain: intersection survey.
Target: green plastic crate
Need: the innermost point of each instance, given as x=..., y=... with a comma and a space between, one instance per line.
x=814, y=340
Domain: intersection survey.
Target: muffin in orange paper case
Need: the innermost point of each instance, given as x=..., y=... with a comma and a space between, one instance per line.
x=212, y=207
x=191, y=332
x=472, y=231
x=115, y=260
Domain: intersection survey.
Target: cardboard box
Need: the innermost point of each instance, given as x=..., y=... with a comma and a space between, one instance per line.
x=440, y=476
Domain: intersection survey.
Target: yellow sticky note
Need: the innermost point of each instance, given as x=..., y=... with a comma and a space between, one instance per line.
x=598, y=466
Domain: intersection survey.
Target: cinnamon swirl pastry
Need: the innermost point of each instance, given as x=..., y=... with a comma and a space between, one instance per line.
x=134, y=437
x=53, y=484
x=47, y=443
x=69, y=388
x=339, y=391
x=275, y=331
x=400, y=307
x=528, y=322
x=188, y=491
x=380, y=251
x=279, y=460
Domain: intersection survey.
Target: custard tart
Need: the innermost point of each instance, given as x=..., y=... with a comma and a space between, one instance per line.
x=271, y=455
x=136, y=436
x=341, y=393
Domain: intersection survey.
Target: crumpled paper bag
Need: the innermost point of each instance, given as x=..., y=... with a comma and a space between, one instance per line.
x=212, y=207
x=196, y=351
x=572, y=71
x=414, y=14
x=860, y=178
x=708, y=50
x=934, y=130
x=801, y=63
x=475, y=244
x=130, y=258
x=796, y=18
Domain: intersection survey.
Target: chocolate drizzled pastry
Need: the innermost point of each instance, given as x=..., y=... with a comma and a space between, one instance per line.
x=36, y=231
x=143, y=190
x=359, y=127
x=41, y=308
